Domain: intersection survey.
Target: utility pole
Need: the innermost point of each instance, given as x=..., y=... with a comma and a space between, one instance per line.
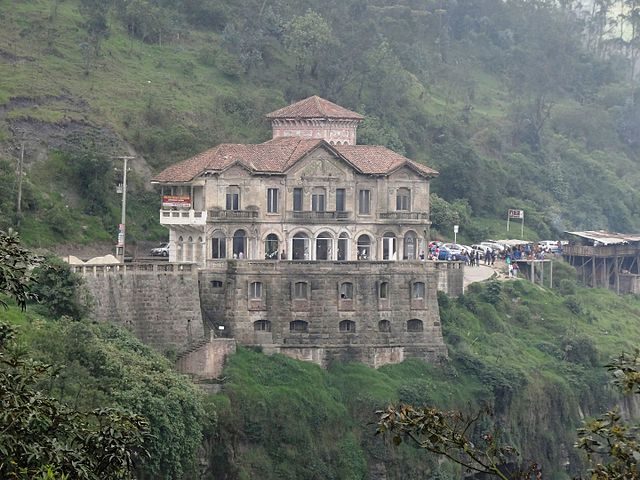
x=122, y=227
x=19, y=200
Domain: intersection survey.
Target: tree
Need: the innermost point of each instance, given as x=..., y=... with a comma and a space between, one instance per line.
x=39, y=436
x=306, y=36
x=612, y=445
x=42, y=438
x=16, y=263
x=59, y=289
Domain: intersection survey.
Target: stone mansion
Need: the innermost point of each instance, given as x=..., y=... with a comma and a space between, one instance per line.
x=307, y=244
x=309, y=193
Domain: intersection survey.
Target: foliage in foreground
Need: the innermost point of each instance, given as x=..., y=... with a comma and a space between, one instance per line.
x=40, y=436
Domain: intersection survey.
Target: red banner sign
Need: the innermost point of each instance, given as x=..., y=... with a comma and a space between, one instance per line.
x=176, y=201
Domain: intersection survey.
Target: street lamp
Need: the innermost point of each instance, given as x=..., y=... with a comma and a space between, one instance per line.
x=121, y=230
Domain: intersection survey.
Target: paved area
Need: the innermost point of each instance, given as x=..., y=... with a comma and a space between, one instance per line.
x=478, y=274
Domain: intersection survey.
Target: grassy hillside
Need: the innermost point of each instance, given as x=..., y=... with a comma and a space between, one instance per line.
x=503, y=99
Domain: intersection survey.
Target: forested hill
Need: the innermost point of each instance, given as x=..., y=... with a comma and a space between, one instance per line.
x=519, y=104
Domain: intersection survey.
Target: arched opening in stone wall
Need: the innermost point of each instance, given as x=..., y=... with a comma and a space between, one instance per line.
x=343, y=247
x=364, y=247
x=301, y=291
x=271, y=247
x=347, y=326
x=299, y=326
x=389, y=246
x=218, y=245
x=410, y=245
x=415, y=325
x=188, y=256
x=239, y=244
x=262, y=326
x=383, y=290
x=384, y=326
x=180, y=249
x=300, y=246
x=199, y=248
x=323, y=246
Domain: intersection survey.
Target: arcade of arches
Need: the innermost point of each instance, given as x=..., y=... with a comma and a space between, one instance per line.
x=302, y=245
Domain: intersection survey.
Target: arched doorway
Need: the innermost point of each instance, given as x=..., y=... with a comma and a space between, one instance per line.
x=343, y=246
x=364, y=247
x=389, y=246
x=300, y=247
x=239, y=244
x=410, y=246
x=271, y=247
x=323, y=246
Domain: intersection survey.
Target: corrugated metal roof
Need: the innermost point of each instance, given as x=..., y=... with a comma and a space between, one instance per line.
x=607, y=238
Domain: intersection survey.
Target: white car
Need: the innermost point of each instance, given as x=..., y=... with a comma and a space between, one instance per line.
x=493, y=246
x=161, y=251
x=481, y=249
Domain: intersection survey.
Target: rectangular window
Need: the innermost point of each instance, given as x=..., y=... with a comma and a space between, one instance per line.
x=255, y=290
x=272, y=200
x=317, y=201
x=233, y=198
x=364, y=202
x=300, y=291
x=297, y=199
x=341, y=197
x=403, y=200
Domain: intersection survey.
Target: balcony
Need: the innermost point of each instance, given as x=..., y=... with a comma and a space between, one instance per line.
x=232, y=214
x=183, y=217
x=319, y=216
x=403, y=216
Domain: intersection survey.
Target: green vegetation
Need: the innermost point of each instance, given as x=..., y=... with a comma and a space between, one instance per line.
x=515, y=103
x=525, y=351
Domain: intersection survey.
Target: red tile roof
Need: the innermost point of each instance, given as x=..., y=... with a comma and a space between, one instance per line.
x=278, y=155
x=315, y=107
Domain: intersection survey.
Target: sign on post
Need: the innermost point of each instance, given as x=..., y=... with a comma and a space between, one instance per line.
x=455, y=234
x=515, y=213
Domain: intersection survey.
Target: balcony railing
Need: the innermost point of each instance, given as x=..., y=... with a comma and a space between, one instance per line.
x=309, y=215
x=403, y=216
x=183, y=217
x=232, y=214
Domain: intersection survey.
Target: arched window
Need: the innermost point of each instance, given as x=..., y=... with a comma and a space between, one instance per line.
x=383, y=291
x=301, y=291
x=417, y=291
x=298, y=326
x=346, y=291
x=262, y=326
x=364, y=247
x=414, y=325
x=216, y=284
x=271, y=247
x=188, y=255
x=389, y=246
x=300, y=247
x=347, y=326
x=384, y=326
x=343, y=246
x=323, y=246
x=239, y=244
x=233, y=197
x=218, y=245
x=199, y=250
x=255, y=290
x=403, y=199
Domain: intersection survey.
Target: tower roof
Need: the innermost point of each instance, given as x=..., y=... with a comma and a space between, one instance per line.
x=315, y=107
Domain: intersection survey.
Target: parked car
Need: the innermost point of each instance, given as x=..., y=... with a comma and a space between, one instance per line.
x=454, y=248
x=161, y=251
x=493, y=245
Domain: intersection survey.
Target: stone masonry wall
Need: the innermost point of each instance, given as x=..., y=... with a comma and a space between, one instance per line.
x=161, y=309
x=225, y=292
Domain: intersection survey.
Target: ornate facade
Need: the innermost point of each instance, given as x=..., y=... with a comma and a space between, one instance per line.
x=309, y=193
